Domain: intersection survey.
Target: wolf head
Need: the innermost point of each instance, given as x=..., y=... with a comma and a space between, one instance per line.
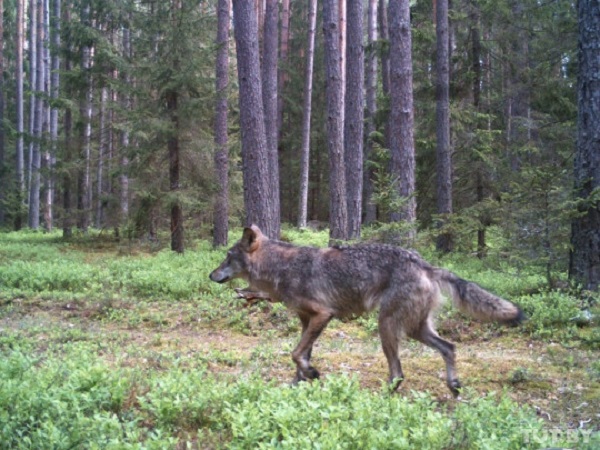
x=238, y=257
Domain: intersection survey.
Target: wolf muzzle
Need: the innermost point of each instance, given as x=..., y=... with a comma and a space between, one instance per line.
x=217, y=277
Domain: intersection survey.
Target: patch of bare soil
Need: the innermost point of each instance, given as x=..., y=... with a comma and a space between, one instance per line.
x=553, y=379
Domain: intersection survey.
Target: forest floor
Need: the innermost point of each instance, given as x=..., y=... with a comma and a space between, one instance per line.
x=557, y=379
x=110, y=342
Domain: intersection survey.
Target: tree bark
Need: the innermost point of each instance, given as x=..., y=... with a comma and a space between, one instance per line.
x=55, y=80
x=34, y=188
x=584, y=265
x=476, y=69
x=102, y=155
x=443, y=148
x=33, y=29
x=221, y=206
x=307, y=113
x=402, y=146
x=269, y=95
x=3, y=184
x=371, y=109
x=255, y=162
x=19, y=151
x=174, y=170
x=85, y=134
x=354, y=116
x=338, y=214
x=385, y=62
x=342, y=50
x=283, y=61
x=67, y=178
x=124, y=150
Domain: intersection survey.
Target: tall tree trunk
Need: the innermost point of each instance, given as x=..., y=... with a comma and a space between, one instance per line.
x=584, y=265
x=3, y=183
x=338, y=213
x=269, y=94
x=54, y=88
x=19, y=152
x=124, y=147
x=385, y=62
x=33, y=29
x=67, y=178
x=342, y=49
x=85, y=135
x=518, y=98
x=307, y=113
x=34, y=189
x=174, y=166
x=255, y=161
x=371, y=109
x=221, y=207
x=402, y=146
x=443, y=148
x=283, y=61
x=48, y=155
x=354, y=116
x=102, y=155
x=476, y=69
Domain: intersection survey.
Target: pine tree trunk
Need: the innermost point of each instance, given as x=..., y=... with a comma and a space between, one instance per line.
x=354, y=116
x=54, y=82
x=3, y=184
x=67, y=178
x=338, y=213
x=48, y=155
x=283, y=61
x=174, y=169
x=443, y=148
x=385, y=62
x=255, y=161
x=33, y=29
x=402, y=146
x=221, y=207
x=371, y=109
x=124, y=158
x=307, y=113
x=19, y=156
x=269, y=94
x=584, y=265
x=518, y=92
x=85, y=135
x=102, y=154
x=34, y=189
x=476, y=69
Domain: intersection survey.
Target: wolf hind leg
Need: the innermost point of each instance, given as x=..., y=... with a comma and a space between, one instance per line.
x=428, y=336
x=390, y=332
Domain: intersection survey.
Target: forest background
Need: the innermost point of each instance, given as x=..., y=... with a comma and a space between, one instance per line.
x=122, y=115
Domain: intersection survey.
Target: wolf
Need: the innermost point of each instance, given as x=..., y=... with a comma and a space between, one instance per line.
x=342, y=282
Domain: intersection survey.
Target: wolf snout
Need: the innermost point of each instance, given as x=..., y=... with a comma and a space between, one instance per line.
x=217, y=278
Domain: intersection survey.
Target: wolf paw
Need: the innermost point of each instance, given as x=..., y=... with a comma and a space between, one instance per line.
x=312, y=373
x=455, y=387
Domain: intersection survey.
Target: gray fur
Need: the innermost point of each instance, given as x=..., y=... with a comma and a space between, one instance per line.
x=341, y=282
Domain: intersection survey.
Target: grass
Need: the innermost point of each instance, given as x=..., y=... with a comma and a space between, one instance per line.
x=110, y=345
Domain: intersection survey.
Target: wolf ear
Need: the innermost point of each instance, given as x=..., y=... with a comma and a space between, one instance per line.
x=249, y=242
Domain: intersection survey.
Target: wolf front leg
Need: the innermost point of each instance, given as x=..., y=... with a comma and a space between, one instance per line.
x=312, y=327
x=390, y=331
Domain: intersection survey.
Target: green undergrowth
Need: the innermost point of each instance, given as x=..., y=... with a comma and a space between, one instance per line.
x=68, y=397
x=84, y=362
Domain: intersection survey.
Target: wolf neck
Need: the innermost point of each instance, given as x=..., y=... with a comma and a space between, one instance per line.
x=270, y=266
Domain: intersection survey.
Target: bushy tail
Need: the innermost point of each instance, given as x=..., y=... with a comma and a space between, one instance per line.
x=476, y=301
